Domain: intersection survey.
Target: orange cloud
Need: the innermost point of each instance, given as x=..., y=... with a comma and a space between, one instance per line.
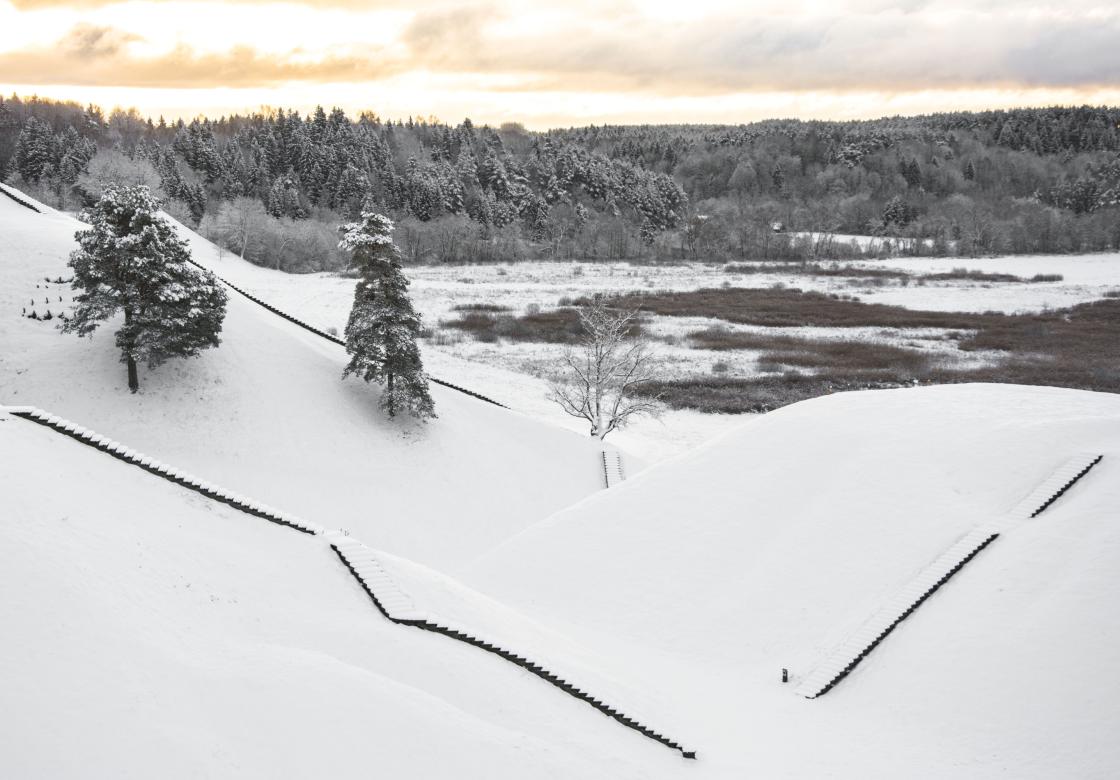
x=626, y=48
x=92, y=57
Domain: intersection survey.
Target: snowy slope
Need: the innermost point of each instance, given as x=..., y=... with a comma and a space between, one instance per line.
x=149, y=632
x=766, y=548
x=267, y=415
x=218, y=644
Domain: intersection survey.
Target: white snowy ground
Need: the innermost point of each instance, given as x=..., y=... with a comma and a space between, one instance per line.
x=150, y=632
x=512, y=376
x=682, y=593
x=515, y=372
x=875, y=243
x=268, y=414
x=157, y=633
x=766, y=547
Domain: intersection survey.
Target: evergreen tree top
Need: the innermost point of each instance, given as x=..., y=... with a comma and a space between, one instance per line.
x=375, y=231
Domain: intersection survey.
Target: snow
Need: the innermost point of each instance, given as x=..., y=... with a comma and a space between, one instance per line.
x=886, y=244
x=42, y=207
x=767, y=547
x=268, y=414
x=150, y=631
x=1084, y=279
x=514, y=372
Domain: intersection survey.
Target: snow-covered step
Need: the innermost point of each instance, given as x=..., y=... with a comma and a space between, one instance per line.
x=116, y=449
x=1051, y=488
x=388, y=593
x=393, y=602
x=612, y=468
x=847, y=655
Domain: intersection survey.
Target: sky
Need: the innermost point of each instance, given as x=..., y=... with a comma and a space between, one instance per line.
x=563, y=63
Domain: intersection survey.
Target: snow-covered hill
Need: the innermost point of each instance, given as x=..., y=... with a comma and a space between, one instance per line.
x=267, y=414
x=766, y=548
x=150, y=632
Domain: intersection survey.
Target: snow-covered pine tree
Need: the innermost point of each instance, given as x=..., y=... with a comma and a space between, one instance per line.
x=382, y=329
x=131, y=260
x=35, y=150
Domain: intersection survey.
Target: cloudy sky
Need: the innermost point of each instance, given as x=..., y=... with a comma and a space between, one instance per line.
x=559, y=63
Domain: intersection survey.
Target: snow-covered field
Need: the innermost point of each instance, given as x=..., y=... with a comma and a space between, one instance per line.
x=149, y=631
x=324, y=299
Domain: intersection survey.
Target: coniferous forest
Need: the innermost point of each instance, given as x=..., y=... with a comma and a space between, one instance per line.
x=273, y=186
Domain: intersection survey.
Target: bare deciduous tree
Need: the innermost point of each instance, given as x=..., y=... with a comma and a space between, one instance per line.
x=601, y=375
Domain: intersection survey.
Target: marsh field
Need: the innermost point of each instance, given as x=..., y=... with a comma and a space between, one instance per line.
x=751, y=337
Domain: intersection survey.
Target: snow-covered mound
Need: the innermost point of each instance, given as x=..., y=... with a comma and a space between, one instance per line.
x=268, y=415
x=766, y=548
x=149, y=632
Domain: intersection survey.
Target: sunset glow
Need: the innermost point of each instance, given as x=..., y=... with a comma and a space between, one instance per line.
x=550, y=63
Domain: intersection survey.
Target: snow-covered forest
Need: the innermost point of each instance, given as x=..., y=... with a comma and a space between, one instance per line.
x=273, y=186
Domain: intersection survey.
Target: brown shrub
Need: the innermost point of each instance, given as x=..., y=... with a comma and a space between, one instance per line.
x=965, y=274
x=813, y=353
x=1077, y=348
x=559, y=326
x=737, y=396
x=816, y=269
x=491, y=308
x=792, y=307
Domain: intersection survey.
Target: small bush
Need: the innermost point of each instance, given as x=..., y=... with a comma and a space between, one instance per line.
x=473, y=322
x=490, y=308
x=443, y=338
x=964, y=274
x=1047, y=278
x=817, y=269
x=726, y=395
x=560, y=326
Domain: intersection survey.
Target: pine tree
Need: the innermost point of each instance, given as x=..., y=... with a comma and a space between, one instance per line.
x=131, y=260
x=34, y=150
x=382, y=329
x=581, y=217
x=283, y=197
x=911, y=172
x=778, y=176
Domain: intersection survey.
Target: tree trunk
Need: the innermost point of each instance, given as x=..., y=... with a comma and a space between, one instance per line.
x=133, y=379
x=392, y=404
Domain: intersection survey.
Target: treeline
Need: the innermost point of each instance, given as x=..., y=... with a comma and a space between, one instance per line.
x=272, y=186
